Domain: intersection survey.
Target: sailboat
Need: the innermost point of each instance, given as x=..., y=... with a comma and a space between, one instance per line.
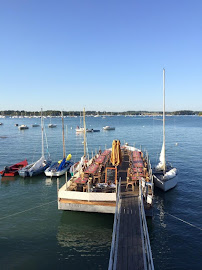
x=40, y=165
x=51, y=125
x=62, y=166
x=80, y=129
x=164, y=174
x=78, y=166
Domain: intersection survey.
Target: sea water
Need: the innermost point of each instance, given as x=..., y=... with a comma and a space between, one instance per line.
x=34, y=234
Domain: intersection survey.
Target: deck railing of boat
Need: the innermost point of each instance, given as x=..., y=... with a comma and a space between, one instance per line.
x=114, y=244
x=146, y=156
x=148, y=260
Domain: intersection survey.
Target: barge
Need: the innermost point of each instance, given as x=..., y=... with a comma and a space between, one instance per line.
x=94, y=187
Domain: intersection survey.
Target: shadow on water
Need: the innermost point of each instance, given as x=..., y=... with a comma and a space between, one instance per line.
x=85, y=239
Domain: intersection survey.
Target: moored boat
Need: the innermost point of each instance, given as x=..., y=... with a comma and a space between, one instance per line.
x=92, y=130
x=61, y=167
x=108, y=128
x=52, y=125
x=165, y=175
x=79, y=130
x=22, y=127
x=40, y=165
x=13, y=169
x=93, y=188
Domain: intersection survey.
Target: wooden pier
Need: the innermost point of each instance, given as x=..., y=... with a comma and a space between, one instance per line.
x=130, y=241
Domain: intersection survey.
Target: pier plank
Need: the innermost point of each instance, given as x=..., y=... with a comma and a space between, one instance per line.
x=130, y=252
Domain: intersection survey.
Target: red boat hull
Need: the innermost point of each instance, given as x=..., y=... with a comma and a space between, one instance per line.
x=13, y=170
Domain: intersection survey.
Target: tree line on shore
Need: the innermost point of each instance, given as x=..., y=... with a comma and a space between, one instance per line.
x=77, y=113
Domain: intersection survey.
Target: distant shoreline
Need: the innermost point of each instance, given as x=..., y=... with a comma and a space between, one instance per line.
x=55, y=113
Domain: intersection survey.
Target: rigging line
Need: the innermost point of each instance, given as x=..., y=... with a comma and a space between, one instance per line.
x=184, y=221
x=41, y=205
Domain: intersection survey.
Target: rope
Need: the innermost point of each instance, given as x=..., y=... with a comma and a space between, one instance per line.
x=41, y=205
x=184, y=221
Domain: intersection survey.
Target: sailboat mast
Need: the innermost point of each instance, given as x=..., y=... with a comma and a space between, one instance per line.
x=63, y=136
x=42, y=140
x=164, y=136
x=84, y=133
x=80, y=120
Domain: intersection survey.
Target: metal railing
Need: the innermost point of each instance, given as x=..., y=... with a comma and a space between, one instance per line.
x=114, y=244
x=145, y=235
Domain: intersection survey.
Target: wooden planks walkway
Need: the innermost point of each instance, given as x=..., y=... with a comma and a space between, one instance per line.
x=130, y=248
x=130, y=251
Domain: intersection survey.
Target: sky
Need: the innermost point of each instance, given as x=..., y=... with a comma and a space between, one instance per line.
x=104, y=55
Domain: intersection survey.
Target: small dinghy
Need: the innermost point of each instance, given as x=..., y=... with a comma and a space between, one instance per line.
x=13, y=169
x=108, y=128
x=22, y=127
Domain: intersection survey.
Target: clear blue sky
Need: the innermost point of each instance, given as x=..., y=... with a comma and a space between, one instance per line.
x=101, y=54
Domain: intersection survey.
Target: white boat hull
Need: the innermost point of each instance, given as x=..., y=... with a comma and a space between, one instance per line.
x=59, y=173
x=91, y=207
x=108, y=128
x=86, y=201
x=165, y=185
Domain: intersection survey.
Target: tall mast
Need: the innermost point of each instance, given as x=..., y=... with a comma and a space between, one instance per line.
x=164, y=136
x=80, y=120
x=42, y=143
x=84, y=132
x=63, y=136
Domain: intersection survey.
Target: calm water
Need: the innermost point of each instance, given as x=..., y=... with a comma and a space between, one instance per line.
x=45, y=238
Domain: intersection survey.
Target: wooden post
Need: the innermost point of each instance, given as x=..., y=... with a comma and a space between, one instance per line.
x=88, y=186
x=58, y=185
x=66, y=179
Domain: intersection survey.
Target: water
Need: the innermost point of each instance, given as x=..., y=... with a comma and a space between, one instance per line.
x=35, y=235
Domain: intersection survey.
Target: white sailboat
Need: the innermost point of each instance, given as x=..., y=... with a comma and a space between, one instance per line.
x=40, y=165
x=80, y=129
x=78, y=166
x=51, y=125
x=164, y=174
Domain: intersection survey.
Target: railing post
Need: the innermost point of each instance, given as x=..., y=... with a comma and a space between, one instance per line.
x=148, y=253
x=113, y=253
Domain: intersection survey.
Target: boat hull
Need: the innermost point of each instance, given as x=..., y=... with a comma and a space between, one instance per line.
x=52, y=173
x=85, y=206
x=108, y=128
x=14, y=169
x=84, y=194
x=165, y=185
x=26, y=172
